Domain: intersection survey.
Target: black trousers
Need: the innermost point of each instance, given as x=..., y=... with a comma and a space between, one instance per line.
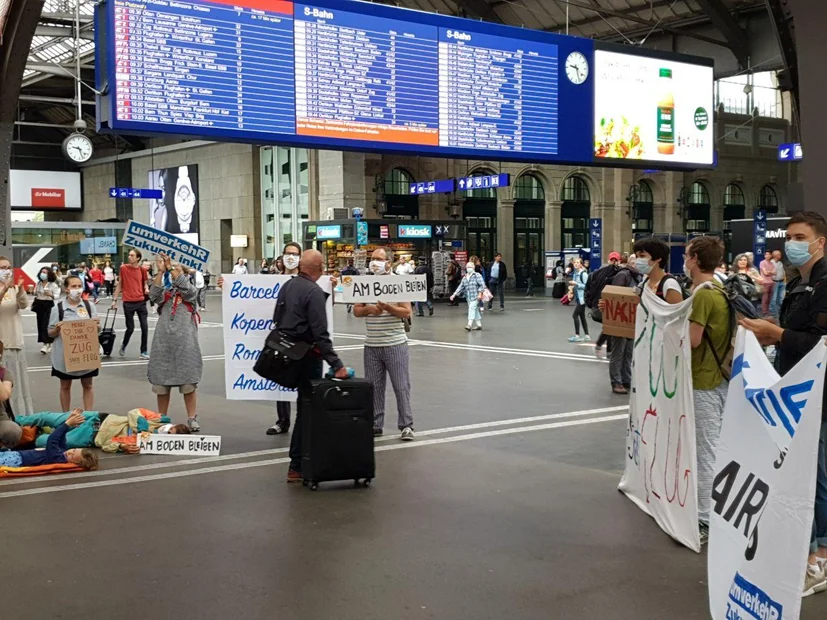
x=130, y=308
x=283, y=412
x=43, y=309
x=312, y=370
x=580, y=315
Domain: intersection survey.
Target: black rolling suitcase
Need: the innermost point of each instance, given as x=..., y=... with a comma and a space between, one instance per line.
x=107, y=336
x=337, y=433
x=558, y=290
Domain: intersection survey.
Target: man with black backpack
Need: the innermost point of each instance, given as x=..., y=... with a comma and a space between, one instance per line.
x=594, y=289
x=803, y=325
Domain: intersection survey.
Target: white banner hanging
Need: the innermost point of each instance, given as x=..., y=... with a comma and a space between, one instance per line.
x=248, y=305
x=764, y=487
x=660, y=474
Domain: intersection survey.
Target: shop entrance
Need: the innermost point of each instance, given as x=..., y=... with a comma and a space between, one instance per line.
x=479, y=210
x=574, y=213
x=529, y=230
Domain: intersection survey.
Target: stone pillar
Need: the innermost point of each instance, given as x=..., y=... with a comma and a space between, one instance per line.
x=554, y=210
x=505, y=233
x=659, y=218
x=343, y=182
x=672, y=222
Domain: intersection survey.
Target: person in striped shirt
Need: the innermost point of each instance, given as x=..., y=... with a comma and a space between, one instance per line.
x=386, y=351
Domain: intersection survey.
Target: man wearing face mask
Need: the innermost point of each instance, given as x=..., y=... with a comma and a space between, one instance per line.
x=386, y=351
x=803, y=323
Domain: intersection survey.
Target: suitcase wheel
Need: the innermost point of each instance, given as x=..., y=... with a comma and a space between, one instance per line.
x=365, y=483
x=313, y=485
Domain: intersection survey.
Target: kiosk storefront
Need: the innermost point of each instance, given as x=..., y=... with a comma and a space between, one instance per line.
x=340, y=240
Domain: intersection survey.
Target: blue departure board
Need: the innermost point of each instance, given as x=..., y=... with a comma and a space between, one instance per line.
x=338, y=74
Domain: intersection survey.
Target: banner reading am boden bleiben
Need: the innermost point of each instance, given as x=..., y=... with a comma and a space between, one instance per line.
x=660, y=474
x=248, y=305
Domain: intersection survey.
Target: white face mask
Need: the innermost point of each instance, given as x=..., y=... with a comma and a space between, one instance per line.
x=75, y=293
x=377, y=266
x=291, y=261
x=469, y=268
x=5, y=274
x=642, y=266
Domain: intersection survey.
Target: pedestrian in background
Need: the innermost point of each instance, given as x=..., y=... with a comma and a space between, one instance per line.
x=454, y=274
x=13, y=299
x=240, y=267
x=473, y=286
x=780, y=280
x=423, y=269
x=133, y=285
x=109, y=278
x=46, y=291
x=96, y=275
x=579, y=279
x=767, y=270
x=496, y=282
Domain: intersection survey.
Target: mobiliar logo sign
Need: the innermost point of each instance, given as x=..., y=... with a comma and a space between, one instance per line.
x=45, y=197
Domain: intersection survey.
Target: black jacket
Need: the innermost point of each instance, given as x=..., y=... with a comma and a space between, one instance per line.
x=804, y=319
x=502, y=275
x=429, y=275
x=305, y=318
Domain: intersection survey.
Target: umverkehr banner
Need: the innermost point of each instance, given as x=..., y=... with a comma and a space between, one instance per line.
x=155, y=241
x=764, y=486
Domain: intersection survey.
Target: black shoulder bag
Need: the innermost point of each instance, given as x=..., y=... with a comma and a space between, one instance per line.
x=282, y=359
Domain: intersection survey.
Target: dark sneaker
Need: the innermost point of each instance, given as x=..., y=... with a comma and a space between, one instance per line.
x=294, y=476
x=377, y=432
x=277, y=429
x=704, y=531
x=431, y=311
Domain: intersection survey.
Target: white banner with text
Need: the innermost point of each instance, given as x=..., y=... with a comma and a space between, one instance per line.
x=390, y=288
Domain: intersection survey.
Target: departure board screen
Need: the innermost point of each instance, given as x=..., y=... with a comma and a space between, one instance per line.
x=339, y=74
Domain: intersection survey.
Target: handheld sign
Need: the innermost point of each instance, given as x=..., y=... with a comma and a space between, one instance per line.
x=620, y=311
x=80, y=345
x=180, y=445
x=155, y=241
x=370, y=289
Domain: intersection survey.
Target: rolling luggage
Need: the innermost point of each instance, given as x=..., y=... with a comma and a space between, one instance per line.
x=107, y=336
x=558, y=290
x=337, y=432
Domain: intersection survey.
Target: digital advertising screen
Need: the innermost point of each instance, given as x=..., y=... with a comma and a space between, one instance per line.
x=343, y=75
x=652, y=109
x=177, y=210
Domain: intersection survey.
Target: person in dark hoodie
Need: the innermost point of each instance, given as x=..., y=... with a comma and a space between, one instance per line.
x=422, y=268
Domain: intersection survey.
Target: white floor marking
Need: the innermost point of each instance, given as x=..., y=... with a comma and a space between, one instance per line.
x=237, y=466
x=547, y=354
x=273, y=451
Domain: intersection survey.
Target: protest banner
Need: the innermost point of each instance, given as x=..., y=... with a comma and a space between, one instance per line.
x=248, y=305
x=764, y=485
x=180, y=445
x=661, y=474
x=154, y=241
x=390, y=289
x=620, y=313
x=81, y=350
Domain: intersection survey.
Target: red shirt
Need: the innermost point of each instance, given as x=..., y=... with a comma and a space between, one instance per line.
x=133, y=280
x=96, y=275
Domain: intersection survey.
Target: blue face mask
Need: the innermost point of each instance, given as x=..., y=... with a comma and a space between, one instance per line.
x=642, y=266
x=798, y=252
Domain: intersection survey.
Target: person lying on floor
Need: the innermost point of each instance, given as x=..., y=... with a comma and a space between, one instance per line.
x=55, y=451
x=104, y=430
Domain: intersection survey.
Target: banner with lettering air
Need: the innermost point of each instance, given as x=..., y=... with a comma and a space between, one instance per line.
x=391, y=288
x=660, y=473
x=248, y=305
x=764, y=485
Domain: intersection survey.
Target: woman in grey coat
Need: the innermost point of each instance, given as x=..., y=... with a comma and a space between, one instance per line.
x=176, y=354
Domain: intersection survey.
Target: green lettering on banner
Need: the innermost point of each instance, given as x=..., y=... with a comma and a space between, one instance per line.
x=661, y=378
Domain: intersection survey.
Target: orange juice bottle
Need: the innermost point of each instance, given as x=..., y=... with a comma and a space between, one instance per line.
x=666, y=114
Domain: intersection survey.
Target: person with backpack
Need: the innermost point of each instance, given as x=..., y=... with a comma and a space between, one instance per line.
x=651, y=257
x=73, y=308
x=802, y=327
x=579, y=280
x=620, y=364
x=711, y=329
x=454, y=274
x=594, y=289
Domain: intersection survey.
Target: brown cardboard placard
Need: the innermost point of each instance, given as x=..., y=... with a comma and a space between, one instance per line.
x=81, y=350
x=620, y=311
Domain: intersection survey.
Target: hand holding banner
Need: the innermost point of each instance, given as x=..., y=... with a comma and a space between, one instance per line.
x=390, y=289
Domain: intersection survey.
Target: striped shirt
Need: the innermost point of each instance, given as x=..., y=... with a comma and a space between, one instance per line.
x=384, y=330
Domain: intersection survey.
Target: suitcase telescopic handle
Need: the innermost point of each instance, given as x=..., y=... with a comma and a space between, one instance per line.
x=106, y=318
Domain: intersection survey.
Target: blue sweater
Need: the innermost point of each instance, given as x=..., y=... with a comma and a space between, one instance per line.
x=54, y=452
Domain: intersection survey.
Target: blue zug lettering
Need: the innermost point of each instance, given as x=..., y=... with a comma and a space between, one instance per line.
x=242, y=323
x=243, y=353
x=241, y=291
x=258, y=384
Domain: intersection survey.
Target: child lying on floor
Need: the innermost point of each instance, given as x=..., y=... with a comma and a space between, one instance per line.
x=55, y=451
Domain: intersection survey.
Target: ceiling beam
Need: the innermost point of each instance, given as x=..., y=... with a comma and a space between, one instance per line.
x=479, y=8
x=65, y=17
x=55, y=100
x=61, y=32
x=728, y=26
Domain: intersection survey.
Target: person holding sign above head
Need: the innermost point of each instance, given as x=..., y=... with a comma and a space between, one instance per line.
x=133, y=283
x=386, y=351
x=176, y=352
x=803, y=325
x=73, y=308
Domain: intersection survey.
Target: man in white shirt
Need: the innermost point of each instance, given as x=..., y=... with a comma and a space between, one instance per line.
x=780, y=284
x=199, y=283
x=404, y=268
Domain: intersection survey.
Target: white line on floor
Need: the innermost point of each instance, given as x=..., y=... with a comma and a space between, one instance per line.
x=547, y=354
x=258, y=453
x=237, y=466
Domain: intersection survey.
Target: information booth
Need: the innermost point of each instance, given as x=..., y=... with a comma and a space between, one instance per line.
x=340, y=240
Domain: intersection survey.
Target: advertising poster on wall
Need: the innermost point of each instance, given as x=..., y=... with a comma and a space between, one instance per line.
x=177, y=211
x=653, y=109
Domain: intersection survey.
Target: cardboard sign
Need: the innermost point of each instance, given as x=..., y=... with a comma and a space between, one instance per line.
x=155, y=241
x=180, y=445
x=81, y=350
x=248, y=303
x=620, y=313
x=391, y=288
x=661, y=474
x=764, y=485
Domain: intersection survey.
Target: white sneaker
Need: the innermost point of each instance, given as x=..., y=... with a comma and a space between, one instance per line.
x=814, y=581
x=407, y=434
x=477, y=327
x=468, y=327
x=600, y=353
x=44, y=349
x=49, y=348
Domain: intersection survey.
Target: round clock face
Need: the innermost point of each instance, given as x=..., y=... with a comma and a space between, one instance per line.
x=577, y=68
x=78, y=148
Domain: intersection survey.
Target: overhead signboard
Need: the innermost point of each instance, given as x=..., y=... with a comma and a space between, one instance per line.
x=337, y=74
x=329, y=232
x=790, y=152
x=414, y=231
x=443, y=186
x=132, y=192
x=484, y=181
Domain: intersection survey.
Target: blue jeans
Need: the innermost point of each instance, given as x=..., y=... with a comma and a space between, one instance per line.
x=777, y=298
x=419, y=304
x=474, y=311
x=498, y=290
x=819, y=537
